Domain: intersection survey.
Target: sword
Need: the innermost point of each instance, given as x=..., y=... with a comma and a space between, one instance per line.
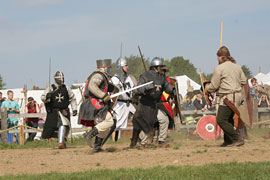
x=125, y=91
x=50, y=75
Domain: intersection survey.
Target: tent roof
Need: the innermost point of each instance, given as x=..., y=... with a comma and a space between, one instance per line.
x=263, y=78
x=182, y=84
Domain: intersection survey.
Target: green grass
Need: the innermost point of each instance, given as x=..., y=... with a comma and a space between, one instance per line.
x=178, y=137
x=42, y=144
x=45, y=144
x=231, y=171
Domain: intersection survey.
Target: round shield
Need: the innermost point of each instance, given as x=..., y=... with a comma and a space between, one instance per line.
x=207, y=128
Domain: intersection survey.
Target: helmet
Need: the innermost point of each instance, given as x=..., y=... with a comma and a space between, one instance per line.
x=59, y=77
x=156, y=62
x=120, y=63
x=105, y=65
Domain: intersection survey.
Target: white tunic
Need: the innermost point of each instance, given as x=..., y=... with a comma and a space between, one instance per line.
x=121, y=109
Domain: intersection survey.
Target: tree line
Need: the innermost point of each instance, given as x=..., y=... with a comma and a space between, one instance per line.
x=177, y=66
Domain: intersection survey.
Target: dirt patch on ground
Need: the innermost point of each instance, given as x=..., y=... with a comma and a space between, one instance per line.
x=79, y=158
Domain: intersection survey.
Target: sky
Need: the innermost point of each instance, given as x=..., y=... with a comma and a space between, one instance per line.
x=74, y=34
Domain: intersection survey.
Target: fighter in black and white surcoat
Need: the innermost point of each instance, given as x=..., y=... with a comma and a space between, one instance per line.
x=123, y=106
x=57, y=98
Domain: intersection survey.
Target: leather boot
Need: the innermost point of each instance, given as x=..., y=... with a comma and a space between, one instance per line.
x=135, y=137
x=97, y=146
x=89, y=135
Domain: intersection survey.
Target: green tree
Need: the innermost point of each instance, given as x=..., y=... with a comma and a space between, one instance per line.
x=135, y=65
x=179, y=66
x=2, y=84
x=247, y=71
x=208, y=76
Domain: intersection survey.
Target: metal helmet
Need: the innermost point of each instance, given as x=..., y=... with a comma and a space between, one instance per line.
x=120, y=63
x=59, y=77
x=105, y=65
x=156, y=62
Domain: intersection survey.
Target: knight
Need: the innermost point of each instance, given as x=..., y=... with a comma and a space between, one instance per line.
x=57, y=98
x=124, y=106
x=95, y=110
x=146, y=114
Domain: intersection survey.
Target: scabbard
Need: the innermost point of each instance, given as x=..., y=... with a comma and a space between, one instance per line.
x=238, y=123
x=231, y=106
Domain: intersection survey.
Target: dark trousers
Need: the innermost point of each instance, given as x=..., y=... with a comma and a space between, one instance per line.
x=225, y=121
x=32, y=135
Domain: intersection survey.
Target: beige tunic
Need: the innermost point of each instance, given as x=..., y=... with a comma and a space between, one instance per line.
x=228, y=78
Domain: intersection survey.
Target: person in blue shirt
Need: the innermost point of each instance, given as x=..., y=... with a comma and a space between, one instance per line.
x=12, y=107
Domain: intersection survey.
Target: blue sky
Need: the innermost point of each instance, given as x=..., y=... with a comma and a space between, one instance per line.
x=76, y=33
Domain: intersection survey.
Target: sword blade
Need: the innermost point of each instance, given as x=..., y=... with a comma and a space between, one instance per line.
x=131, y=89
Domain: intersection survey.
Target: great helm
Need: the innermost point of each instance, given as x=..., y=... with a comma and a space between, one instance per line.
x=59, y=77
x=105, y=65
x=156, y=61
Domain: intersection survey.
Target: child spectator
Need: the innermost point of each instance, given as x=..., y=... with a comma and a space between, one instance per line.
x=253, y=88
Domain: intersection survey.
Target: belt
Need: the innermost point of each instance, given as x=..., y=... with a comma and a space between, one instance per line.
x=125, y=101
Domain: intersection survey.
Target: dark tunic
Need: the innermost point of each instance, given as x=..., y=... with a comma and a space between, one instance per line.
x=146, y=114
x=92, y=106
x=59, y=102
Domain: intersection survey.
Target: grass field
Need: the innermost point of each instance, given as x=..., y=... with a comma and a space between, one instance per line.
x=248, y=162
x=228, y=171
x=80, y=141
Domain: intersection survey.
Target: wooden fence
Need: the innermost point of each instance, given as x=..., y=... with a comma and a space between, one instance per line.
x=22, y=129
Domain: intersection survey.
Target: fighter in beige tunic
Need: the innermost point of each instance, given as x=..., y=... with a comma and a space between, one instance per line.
x=227, y=81
x=95, y=111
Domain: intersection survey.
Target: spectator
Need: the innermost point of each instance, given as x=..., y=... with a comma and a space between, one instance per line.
x=188, y=105
x=253, y=88
x=199, y=102
x=190, y=93
x=263, y=102
x=259, y=92
x=1, y=100
x=32, y=107
x=12, y=107
x=42, y=119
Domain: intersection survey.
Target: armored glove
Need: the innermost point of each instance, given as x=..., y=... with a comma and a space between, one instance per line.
x=149, y=87
x=106, y=98
x=74, y=113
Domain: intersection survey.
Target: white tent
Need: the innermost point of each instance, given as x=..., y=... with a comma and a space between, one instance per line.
x=182, y=84
x=263, y=78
